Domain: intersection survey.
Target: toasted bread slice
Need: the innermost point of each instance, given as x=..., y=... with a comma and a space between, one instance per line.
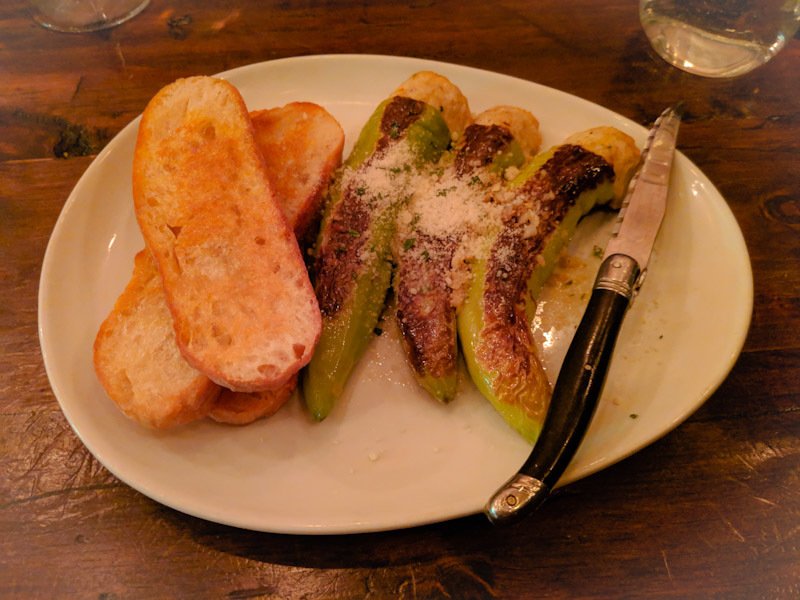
x=243, y=308
x=138, y=362
x=302, y=146
x=241, y=408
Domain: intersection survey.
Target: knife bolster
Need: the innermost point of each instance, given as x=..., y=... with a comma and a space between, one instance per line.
x=519, y=496
x=619, y=273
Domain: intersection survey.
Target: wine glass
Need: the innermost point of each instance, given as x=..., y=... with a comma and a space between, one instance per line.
x=78, y=16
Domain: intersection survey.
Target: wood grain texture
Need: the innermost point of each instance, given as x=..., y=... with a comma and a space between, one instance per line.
x=711, y=510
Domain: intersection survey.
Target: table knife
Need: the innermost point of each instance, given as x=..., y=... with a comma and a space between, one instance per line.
x=582, y=375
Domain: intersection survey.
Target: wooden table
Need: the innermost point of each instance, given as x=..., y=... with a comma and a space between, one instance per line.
x=710, y=510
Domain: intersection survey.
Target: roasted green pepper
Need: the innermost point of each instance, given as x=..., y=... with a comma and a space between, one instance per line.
x=551, y=194
x=353, y=253
x=426, y=311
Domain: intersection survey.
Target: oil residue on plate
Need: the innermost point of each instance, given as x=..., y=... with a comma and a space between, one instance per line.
x=563, y=299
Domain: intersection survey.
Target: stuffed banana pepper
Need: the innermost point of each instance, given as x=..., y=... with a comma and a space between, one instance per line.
x=449, y=209
x=353, y=265
x=541, y=210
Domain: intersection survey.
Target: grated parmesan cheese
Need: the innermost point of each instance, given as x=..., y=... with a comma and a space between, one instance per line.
x=456, y=217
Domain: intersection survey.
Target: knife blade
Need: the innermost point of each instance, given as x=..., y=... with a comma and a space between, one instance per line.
x=582, y=375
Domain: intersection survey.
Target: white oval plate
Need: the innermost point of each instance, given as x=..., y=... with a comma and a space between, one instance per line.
x=389, y=456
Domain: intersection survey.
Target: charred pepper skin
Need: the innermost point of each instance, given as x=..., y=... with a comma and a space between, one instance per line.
x=426, y=314
x=560, y=185
x=353, y=255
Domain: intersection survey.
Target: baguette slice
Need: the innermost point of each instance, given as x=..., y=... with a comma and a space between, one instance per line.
x=243, y=308
x=302, y=146
x=138, y=362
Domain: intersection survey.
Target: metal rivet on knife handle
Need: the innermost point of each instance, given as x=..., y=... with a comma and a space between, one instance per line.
x=618, y=273
x=519, y=491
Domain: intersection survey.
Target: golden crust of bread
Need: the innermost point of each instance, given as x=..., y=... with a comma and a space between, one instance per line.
x=137, y=360
x=302, y=146
x=243, y=308
x=241, y=408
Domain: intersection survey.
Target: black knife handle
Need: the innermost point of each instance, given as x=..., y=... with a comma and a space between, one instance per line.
x=575, y=394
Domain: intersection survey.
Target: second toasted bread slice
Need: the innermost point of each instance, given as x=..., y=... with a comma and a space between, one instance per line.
x=284, y=134
x=242, y=408
x=243, y=307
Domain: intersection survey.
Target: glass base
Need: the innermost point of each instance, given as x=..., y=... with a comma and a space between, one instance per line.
x=703, y=53
x=82, y=16
x=719, y=38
